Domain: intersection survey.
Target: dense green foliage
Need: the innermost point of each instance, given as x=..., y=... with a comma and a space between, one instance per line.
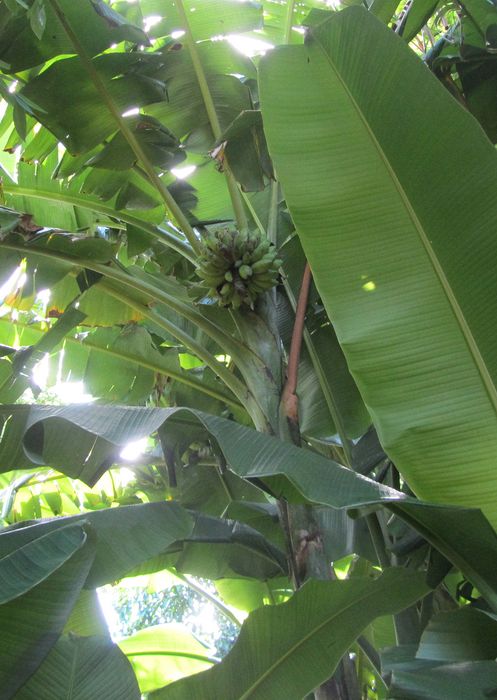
x=276, y=268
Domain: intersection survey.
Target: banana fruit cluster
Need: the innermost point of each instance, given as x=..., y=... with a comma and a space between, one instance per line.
x=237, y=267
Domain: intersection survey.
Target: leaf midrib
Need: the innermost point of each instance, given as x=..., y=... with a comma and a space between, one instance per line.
x=471, y=343
x=303, y=640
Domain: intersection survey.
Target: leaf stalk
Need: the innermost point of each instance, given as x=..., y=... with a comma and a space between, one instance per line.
x=210, y=108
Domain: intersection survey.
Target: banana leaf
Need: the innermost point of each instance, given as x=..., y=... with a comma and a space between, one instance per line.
x=393, y=201
x=285, y=651
x=41, y=435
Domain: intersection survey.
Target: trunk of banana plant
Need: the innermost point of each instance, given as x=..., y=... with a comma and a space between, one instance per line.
x=306, y=554
x=311, y=562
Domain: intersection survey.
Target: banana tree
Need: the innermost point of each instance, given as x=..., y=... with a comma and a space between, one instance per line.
x=300, y=323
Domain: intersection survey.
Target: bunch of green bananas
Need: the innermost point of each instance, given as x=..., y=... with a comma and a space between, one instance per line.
x=237, y=266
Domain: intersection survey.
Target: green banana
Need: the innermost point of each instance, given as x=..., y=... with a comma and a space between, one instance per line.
x=237, y=266
x=245, y=271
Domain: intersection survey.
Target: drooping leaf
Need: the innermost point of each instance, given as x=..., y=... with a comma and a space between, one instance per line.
x=23, y=361
x=126, y=536
x=418, y=15
x=464, y=536
x=116, y=364
x=484, y=17
x=144, y=538
x=185, y=113
x=246, y=151
x=48, y=201
x=220, y=548
x=37, y=18
x=160, y=146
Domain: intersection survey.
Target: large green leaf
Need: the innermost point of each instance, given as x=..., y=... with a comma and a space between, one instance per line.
x=285, y=651
x=80, y=668
x=213, y=18
x=144, y=538
x=29, y=565
x=31, y=623
x=413, y=292
x=164, y=653
x=80, y=120
x=464, y=536
x=126, y=536
x=98, y=27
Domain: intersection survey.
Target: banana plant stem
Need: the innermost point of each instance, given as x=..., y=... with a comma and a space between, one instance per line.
x=210, y=108
x=378, y=540
x=288, y=21
x=289, y=400
x=329, y=398
x=272, y=224
x=128, y=134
